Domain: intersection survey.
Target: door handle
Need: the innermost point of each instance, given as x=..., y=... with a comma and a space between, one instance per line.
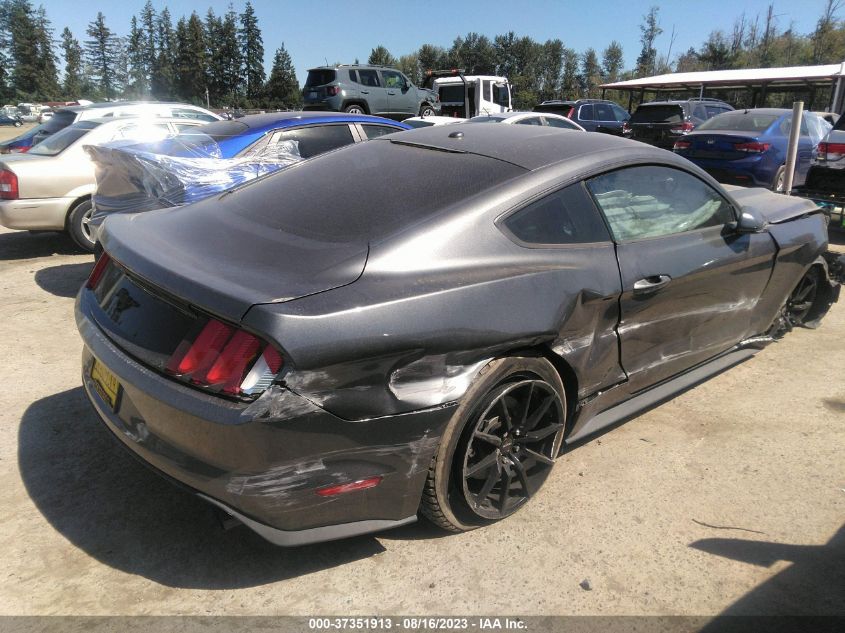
x=365, y=92
x=391, y=93
x=651, y=284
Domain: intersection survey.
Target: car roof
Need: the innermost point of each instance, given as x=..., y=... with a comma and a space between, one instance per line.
x=531, y=147
x=264, y=122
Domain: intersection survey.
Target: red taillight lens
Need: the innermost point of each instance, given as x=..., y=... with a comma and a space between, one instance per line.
x=228, y=370
x=8, y=185
x=225, y=359
x=361, y=484
x=570, y=114
x=831, y=151
x=626, y=129
x=97, y=272
x=752, y=148
x=683, y=128
x=200, y=355
x=333, y=91
x=681, y=145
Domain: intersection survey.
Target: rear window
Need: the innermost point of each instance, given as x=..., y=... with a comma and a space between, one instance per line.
x=56, y=143
x=745, y=121
x=59, y=121
x=562, y=110
x=658, y=114
x=452, y=94
x=386, y=185
x=320, y=77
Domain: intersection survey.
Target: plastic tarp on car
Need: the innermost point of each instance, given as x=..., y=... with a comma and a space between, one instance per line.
x=136, y=178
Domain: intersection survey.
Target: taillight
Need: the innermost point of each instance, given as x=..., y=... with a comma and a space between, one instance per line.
x=752, y=148
x=8, y=185
x=23, y=150
x=681, y=145
x=222, y=358
x=831, y=151
x=570, y=113
x=626, y=129
x=97, y=272
x=683, y=128
x=333, y=91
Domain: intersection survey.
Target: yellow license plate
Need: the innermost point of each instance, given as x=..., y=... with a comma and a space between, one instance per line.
x=105, y=383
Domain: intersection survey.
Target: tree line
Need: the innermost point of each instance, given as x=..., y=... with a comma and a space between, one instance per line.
x=219, y=59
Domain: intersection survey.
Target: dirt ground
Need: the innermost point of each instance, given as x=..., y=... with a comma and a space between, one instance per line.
x=727, y=499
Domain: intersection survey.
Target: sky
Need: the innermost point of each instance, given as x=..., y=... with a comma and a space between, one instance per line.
x=316, y=32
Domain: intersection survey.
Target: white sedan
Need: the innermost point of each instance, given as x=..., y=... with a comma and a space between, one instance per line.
x=529, y=118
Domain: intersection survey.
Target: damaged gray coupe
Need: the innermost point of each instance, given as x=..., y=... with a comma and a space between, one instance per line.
x=425, y=322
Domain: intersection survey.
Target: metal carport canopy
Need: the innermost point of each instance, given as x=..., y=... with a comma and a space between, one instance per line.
x=767, y=79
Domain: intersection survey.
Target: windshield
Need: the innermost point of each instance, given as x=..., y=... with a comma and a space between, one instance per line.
x=740, y=121
x=658, y=114
x=57, y=143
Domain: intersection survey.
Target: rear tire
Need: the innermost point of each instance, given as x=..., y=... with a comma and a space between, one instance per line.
x=780, y=178
x=354, y=109
x=499, y=447
x=78, y=227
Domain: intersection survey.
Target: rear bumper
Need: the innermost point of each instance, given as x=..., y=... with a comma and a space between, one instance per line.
x=262, y=462
x=752, y=171
x=35, y=213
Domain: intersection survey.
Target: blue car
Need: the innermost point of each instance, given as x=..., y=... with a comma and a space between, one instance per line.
x=206, y=160
x=21, y=143
x=748, y=147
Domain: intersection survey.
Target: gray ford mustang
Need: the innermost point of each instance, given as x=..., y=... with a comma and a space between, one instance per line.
x=424, y=322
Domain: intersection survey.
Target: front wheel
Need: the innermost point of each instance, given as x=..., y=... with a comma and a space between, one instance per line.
x=426, y=110
x=79, y=226
x=499, y=447
x=18, y=124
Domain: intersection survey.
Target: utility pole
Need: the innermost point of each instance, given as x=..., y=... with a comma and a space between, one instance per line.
x=207, y=104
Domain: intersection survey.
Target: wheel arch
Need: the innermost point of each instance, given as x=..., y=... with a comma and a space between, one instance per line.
x=79, y=200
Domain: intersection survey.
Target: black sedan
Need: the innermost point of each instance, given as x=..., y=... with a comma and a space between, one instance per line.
x=424, y=322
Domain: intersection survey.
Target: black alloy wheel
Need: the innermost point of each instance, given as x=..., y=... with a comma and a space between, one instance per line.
x=500, y=445
x=511, y=448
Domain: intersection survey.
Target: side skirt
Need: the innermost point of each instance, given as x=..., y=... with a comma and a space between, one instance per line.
x=656, y=395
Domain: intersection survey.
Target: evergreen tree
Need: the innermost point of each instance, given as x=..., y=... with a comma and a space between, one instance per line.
x=649, y=29
x=474, y=53
x=72, y=51
x=148, y=39
x=191, y=59
x=22, y=34
x=282, y=88
x=612, y=61
x=164, y=75
x=214, y=64
x=252, y=53
x=230, y=54
x=590, y=74
x=47, y=73
x=136, y=53
x=101, y=51
x=431, y=57
x=551, y=70
x=380, y=56
x=410, y=65
x=570, y=74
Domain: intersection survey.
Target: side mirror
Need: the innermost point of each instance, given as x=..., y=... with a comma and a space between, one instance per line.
x=750, y=221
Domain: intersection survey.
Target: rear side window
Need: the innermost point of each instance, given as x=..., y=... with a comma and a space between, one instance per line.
x=587, y=113
x=561, y=123
x=557, y=219
x=374, y=131
x=534, y=120
x=653, y=201
x=604, y=112
x=353, y=76
x=620, y=114
x=658, y=114
x=196, y=115
x=368, y=78
x=318, y=139
x=320, y=77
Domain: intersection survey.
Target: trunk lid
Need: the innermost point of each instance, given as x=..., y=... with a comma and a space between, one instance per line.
x=717, y=145
x=224, y=263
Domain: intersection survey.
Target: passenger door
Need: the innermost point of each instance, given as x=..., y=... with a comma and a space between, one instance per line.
x=400, y=99
x=372, y=90
x=690, y=282
x=606, y=119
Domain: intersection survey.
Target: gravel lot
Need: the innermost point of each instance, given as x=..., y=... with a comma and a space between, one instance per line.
x=728, y=499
